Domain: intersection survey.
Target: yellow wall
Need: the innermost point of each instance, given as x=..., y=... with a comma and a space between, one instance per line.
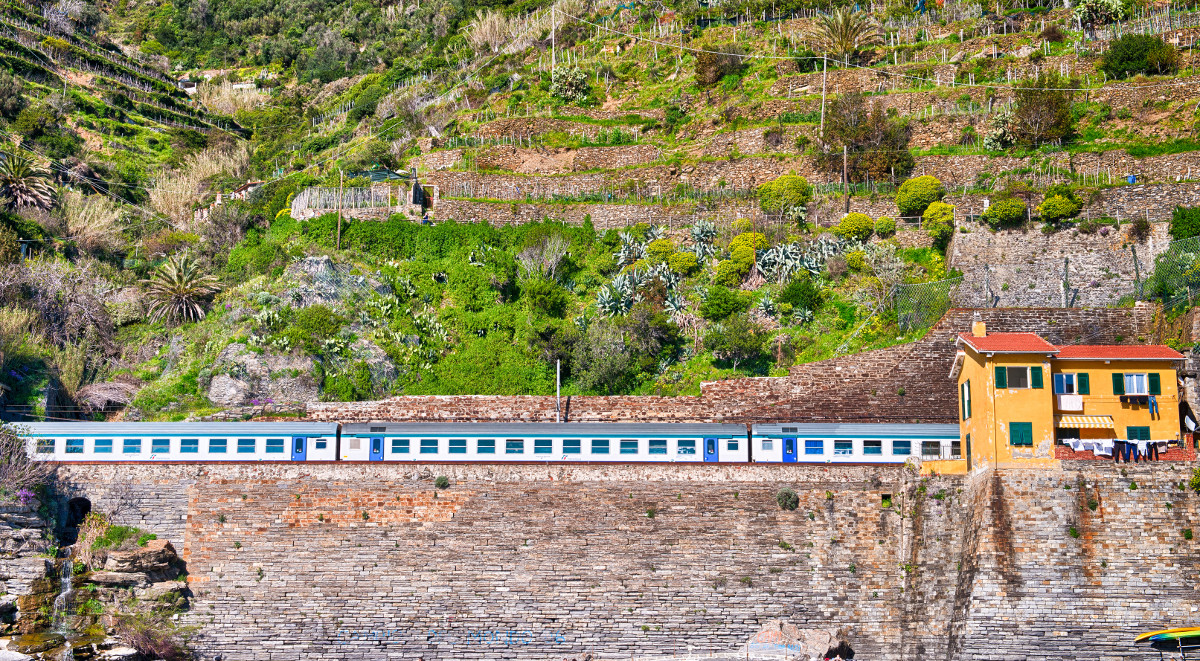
x=993, y=410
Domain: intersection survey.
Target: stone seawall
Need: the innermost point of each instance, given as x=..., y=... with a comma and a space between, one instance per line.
x=366, y=561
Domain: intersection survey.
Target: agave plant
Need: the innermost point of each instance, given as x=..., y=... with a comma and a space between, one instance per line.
x=630, y=253
x=655, y=233
x=802, y=316
x=675, y=303
x=704, y=232
x=23, y=184
x=613, y=300
x=843, y=31
x=179, y=290
x=766, y=306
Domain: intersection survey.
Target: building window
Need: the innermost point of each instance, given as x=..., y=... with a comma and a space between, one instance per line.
x=814, y=446
x=103, y=446
x=658, y=446
x=571, y=446
x=543, y=446
x=1018, y=377
x=429, y=446
x=1064, y=384
x=1061, y=434
x=131, y=446
x=246, y=446
x=458, y=446
x=1137, y=433
x=1135, y=384
x=956, y=449
x=767, y=445
x=966, y=400
x=218, y=445
x=843, y=448
x=274, y=446
x=687, y=446
x=901, y=447
x=514, y=446
x=872, y=447
x=732, y=445
x=931, y=449
x=189, y=445
x=74, y=446
x=486, y=446
x=599, y=446
x=629, y=446
x=1020, y=433
x=400, y=446
x=160, y=446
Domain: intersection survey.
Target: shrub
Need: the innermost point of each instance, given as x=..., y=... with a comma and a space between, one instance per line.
x=720, y=302
x=1009, y=212
x=736, y=340
x=915, y=195
x=731, y=272
x=1042, y=111
x=683, y=263
x=752, y=240
x=938, y=220
x=570, y=85
x=855, y=226
x=716, y=62
x=1194, y=480
x=442, y=482
x=1185, y=222
x=660, y=250
x=1187, y=534
x=313, y=325
x=786, y=195
x=885, y=227
x=856, y=260
x=1139, y=54
x=742, y=225
x=1054, y=34
x=365, y=104
x=802, y=293
x=548, y=297
x=1057, y=209
x=788, y=500
x=1140, y=229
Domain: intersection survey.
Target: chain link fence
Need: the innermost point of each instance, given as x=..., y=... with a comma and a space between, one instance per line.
x=921, y=305
x=1176, y=275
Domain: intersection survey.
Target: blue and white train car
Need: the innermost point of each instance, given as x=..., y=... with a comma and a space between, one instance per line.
x=181, y=441
x=866, y=443
x=543, y=441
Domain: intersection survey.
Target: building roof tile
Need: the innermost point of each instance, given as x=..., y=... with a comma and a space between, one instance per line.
x=1008, y=343
x=1117, y=352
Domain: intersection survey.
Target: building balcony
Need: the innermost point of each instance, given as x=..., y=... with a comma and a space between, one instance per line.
x=1069, y=402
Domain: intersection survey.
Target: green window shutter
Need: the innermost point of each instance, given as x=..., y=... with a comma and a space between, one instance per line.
x=968, y=399
x=1035, y=377
x=1118, y=383
x=1137, y=433
x=962, y=400
x=1020, y=433
x=1001, y=377
x=1155, y=383
x=1082, y=386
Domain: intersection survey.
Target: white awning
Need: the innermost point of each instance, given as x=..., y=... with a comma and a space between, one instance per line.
x=1083, y=421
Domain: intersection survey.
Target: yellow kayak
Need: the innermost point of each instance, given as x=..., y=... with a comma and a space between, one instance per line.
x=1169, y=634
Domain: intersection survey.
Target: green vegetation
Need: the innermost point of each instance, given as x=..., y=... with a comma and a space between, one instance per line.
x=788, y=500
x=1139, y=54
x=916, y=194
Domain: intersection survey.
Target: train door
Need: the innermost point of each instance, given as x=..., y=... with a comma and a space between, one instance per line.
x=376, y=449
x=299, y=448
x=711, y=446
x=789, y=450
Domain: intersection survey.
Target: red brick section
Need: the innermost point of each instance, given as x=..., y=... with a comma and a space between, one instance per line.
x=905, y=383
x=1173, y=453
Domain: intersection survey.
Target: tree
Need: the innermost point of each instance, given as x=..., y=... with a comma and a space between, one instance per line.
x=179, y=290
x=788, y=195
x=1099, y=12
x=1006, y=212
x=802, y=293
x=23, y=184
x=916, y=194
x=600, y=359
x=19, y=473
x=720, y=302
x=12, y=95
x=1139, y=53
x=570, y=85
x=1185, y=222
x=876, y=144
x=938, y=220
x=716, y=62
x=856, y=227
x=1042, y=113
x=737, y=340
x=843, y=31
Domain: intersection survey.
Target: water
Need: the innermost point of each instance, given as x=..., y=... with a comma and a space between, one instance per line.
x=62, y=602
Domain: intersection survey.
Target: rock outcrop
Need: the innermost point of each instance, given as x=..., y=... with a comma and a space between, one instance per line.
x=241, y=376
x=24, y=571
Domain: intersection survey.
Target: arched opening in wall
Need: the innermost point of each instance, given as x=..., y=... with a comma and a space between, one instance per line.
x=77, y=510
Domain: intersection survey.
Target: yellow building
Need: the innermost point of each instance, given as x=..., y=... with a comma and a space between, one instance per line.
x=1024, y=402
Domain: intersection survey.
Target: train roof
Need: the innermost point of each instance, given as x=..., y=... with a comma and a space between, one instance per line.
x=548, y=428
x=173, y=428
x=858, y=429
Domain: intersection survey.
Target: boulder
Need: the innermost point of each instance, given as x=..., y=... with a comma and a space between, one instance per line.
x=241, y=376
x=121, y=579
x=156, y=555
x=957, y=57
x=6, y=655
x=1025, y=51
x=779, y=637
x=119, y=653
x=35, y=642
x=161, y=589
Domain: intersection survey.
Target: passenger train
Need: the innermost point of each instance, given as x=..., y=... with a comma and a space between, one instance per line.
x=874, y=443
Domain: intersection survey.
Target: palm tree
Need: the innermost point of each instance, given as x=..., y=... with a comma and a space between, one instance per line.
x=23, y=184
x=843, y=31
x=179, y=290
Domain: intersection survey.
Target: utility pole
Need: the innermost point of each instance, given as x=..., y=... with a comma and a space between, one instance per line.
x=845, y=179
x=553, y=29
x=824, y=71
x=558, y=390
x=341, y=181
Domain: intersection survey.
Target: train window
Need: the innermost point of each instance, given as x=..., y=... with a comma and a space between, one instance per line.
x=160, y=445
x=355, y=444
x=658, y=446
x=275, y=445
x=599, y=446
x=246, y=445
x=429, y=446
x=132, y=446
x=514, y=446
x=732, y=445
x=486, y=446
x=45, y=446
x=767, y=444
x=543, y=446
x=814, y=446
x=843, y=447
x=955, y=449
x=321, y=444
x=458, y=446
x=629, y=446
x=931, y=449
x=872, y=447
x=103, y=446
x=901, y=447
x=789, y=430
x=189, y=445
x=218, y=445
x=399, y=446
x=571, y=446
x=686, y=446
x=74, y=446
x=378, y=430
